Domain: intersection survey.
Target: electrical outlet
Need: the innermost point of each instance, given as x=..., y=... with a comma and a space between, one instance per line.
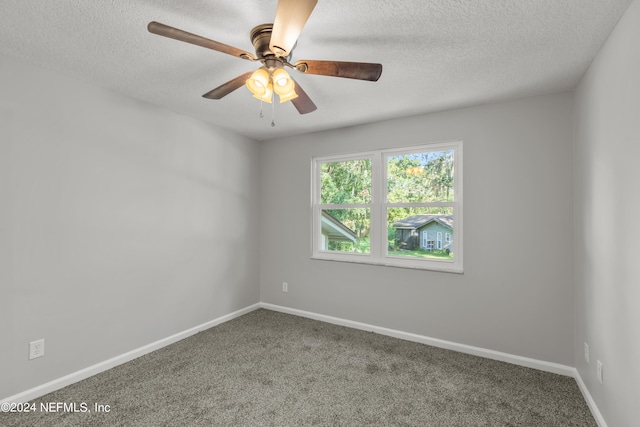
x=36, y=349
x=599, y=372
x=586, y=352
x=285, y=287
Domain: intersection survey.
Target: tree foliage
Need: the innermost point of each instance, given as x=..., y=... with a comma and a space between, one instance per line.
x=422, y=177
x=346, y=182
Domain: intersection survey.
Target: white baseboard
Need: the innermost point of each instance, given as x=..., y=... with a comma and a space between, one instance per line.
x=119, y=360
x=449, y=345
x=589, y=399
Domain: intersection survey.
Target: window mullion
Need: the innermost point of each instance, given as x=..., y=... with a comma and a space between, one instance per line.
x=316, y=234
x=421, y=205
x=346, y=206
x=377, y=198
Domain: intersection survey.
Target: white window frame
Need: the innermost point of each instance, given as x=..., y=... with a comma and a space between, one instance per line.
x=378, y=210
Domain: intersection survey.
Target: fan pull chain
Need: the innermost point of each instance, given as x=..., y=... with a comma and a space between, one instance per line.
x=273, y=111
x=261, y=114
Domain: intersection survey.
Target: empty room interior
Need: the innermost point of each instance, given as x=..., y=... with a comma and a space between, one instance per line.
x=143, y=200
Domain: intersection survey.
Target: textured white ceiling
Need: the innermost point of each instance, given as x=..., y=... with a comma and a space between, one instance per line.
x=436, y=54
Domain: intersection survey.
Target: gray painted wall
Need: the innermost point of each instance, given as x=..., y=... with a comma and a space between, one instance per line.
x=517, y=167
x=607, y=267
x=114, y=224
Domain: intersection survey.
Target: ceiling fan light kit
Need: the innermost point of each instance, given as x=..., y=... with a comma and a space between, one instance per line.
x=274, y=44
x=270, y=79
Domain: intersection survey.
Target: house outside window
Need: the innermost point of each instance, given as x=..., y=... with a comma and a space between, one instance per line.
x=400, y=207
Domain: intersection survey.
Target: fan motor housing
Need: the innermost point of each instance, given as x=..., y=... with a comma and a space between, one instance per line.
x=260, y=38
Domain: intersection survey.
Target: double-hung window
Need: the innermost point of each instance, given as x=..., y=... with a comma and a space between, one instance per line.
x=398, y=207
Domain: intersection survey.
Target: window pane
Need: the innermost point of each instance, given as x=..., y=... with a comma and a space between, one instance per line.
x=421, y=232
x=420, y=177
x=345, y=230
x=346, y=182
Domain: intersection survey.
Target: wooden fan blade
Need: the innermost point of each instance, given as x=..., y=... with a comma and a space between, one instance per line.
x=183, y=36
x=291, y=15
x=303, y=103
x=349, y=70
x=228, y=87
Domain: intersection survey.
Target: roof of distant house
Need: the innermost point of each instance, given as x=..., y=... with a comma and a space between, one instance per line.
x=416, y=221
x=335, y=229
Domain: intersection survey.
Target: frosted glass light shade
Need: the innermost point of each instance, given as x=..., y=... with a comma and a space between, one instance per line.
x=268, y=94
x=282, y=83
x=258, y=83
x=288, y=96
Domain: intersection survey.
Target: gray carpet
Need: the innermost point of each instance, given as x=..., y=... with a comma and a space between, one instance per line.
x=272, y=369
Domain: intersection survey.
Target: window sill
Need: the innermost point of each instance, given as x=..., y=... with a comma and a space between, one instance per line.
x=438, y=266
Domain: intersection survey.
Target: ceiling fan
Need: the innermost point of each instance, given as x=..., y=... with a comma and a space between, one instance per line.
x=274, y=44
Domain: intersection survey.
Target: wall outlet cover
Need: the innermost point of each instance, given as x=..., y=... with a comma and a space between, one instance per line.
x=586, y=352
x=36, y=349
x=599, y=372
